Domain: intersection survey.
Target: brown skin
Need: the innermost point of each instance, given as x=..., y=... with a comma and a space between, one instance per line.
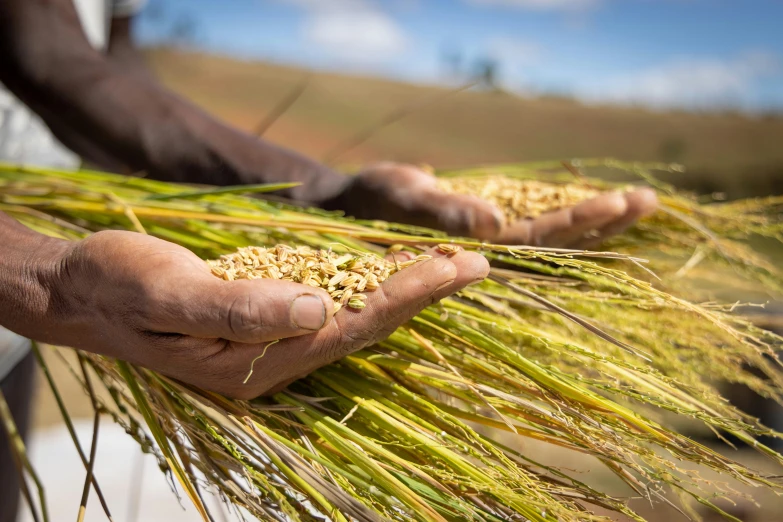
x=407, y=194
x=154, y=303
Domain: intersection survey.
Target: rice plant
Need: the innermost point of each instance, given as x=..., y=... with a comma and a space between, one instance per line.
x=598, y=353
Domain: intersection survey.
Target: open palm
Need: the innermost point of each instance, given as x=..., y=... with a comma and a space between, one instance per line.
x=407, y=194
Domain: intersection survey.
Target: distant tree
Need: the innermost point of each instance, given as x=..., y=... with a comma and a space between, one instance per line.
x=486, y=73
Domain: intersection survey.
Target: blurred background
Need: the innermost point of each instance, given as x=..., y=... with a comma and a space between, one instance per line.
x=697, y=82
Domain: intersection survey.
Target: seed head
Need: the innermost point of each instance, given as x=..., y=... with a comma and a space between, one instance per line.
x=344, y=276
x=448, y=249
x=356, y=304
x=520, y=198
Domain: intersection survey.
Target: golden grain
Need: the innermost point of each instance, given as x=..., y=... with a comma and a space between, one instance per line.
x=520, y=198
x=344, y=276
x=448, y=249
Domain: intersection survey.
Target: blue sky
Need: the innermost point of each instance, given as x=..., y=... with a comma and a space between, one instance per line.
x=659, y=53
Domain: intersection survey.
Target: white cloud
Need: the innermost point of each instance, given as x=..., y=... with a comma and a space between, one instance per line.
x=539, y=5
x=688, y=83
x=353, y=31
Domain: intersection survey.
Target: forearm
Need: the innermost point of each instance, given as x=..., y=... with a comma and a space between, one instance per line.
x=152, y=130
x=29, y=270
x=122, y=50
x=111, y=113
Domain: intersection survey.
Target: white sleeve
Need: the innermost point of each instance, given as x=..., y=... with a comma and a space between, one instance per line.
x=124, y=8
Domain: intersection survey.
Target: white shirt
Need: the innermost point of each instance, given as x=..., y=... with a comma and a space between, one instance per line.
x=25, y=138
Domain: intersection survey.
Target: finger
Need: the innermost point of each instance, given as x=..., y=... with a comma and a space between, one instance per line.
x=396, y=301
x=407, y=293
x=471, y=268
x=404, y=295
x=641, y=203
x=399, y=298
x=563, y=227
x=423, y=203
x=462, y=215
x=247, y=311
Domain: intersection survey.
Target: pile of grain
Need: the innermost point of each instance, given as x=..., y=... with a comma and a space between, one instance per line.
x=520, y=198
x=344, y=276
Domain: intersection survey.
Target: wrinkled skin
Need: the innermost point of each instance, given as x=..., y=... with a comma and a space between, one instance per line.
x=156, y=304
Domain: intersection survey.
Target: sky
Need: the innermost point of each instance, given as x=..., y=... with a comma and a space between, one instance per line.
x=697, y=54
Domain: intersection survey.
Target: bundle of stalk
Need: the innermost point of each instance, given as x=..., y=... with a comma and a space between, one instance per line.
x=580, y=351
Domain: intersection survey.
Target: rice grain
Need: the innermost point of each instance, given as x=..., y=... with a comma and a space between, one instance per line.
x=520, y=198
x=344, y=276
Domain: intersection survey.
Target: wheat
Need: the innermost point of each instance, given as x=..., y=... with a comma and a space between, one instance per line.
x=520, y=198
x=344, y=276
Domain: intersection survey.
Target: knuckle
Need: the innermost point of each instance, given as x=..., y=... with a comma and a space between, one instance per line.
x=457, y=219
x=153, y=303
x=244, y=316
x=357, y=339
x=616, y=205
x=348, y=341
x=523, y=233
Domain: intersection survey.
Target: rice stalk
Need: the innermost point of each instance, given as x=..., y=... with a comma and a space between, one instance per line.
x=583, y=351
x=22, y=463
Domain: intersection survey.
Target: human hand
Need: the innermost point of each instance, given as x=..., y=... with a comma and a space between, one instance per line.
x=407, y=194
x=156, y=304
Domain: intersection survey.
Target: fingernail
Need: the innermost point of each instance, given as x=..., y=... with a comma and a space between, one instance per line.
x=308, y=312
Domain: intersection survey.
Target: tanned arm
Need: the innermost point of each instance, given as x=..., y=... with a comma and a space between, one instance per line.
x=122, y=50
x=114, y=116
x=104, y=109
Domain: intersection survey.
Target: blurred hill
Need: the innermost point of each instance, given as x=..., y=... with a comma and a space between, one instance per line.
x=734, y=153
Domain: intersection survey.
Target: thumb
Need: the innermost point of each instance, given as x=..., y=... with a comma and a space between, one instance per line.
x=252, y=311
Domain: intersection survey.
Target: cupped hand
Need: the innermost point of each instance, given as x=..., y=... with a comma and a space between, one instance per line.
x=156, y=304
x=407, y=194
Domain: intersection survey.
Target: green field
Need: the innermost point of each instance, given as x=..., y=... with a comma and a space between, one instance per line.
x=730, y=152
